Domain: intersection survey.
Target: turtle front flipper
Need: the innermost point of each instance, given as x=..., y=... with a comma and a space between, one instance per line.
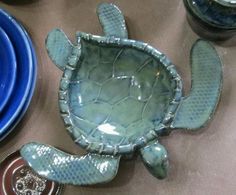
x=196, y=109
x=112, y=20
x=61, y=51
x=155, y=158
x=64, y=168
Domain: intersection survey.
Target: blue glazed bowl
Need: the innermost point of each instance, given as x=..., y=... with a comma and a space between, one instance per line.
x=7, y=68
x=24, y=71
x=214, y=19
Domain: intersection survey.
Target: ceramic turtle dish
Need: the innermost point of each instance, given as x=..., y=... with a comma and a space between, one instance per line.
x=118, y=96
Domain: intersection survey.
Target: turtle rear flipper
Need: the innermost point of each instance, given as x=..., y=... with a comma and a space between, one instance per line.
x=196, y=109
x=70, y=169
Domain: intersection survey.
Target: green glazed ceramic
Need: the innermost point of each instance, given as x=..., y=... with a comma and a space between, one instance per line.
x=118, y=96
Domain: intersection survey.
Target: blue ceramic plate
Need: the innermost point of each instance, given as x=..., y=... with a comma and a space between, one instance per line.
x=25, y=107
x=7, y=68
x=24, y=71
x=34, y=76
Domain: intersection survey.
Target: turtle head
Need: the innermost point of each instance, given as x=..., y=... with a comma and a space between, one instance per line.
x=61, y=51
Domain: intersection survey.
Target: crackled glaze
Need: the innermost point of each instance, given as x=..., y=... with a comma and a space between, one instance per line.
x=118, y=93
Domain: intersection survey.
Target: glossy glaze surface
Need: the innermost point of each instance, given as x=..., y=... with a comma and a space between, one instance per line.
x=155, y=158
x=25, y=181
x=119, y=92
x=129, y=89
x=196, y=165
x=16, y=177
x=116, y=60
x=31, y=92
x=8, y=69
x=70, y=169
x=229, y=3
x=24, y=70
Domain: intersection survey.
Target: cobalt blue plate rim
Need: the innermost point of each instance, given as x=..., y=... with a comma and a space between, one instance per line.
x=24, y=71
x=9, y=69
x=26, y=105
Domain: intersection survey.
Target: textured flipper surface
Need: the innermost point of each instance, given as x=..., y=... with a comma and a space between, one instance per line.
x=197, y=108
x=112, y=20
x=64, y=168
x=59, y=48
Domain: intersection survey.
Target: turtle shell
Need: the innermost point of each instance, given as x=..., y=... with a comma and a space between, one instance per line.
x=118, y=94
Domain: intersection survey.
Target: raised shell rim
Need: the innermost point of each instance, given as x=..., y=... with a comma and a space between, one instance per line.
x=102, y=148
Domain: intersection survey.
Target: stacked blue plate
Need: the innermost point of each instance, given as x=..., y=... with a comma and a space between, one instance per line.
x=17, y=72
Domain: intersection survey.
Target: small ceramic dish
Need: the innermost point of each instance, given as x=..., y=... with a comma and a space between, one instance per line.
x=16, y=177
x=7, y=69
x=24, y=70
x=213, y=19
x=118, y=96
